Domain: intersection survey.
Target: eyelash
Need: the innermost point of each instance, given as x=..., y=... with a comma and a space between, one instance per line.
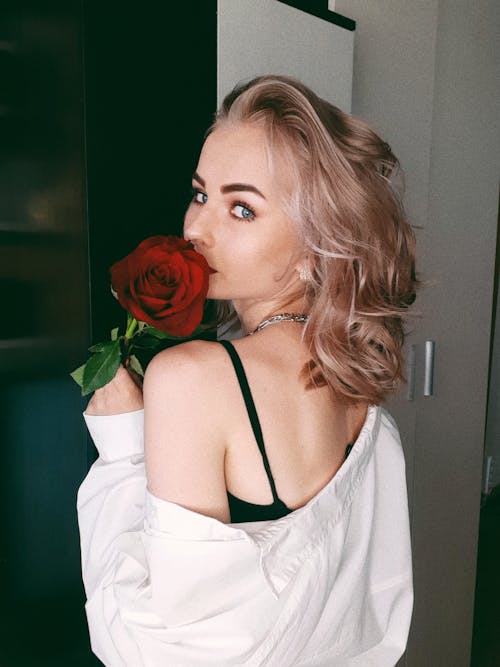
x=234, y=204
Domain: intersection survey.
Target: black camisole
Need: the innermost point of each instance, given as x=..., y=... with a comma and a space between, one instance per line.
x=241, y=510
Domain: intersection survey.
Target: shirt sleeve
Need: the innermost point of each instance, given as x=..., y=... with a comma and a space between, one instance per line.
x=164, y=586
x=110, y=505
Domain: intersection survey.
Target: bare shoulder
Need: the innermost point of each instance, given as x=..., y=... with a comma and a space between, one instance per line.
x=186, y=354
x=187, y=385
x=189, y=366
x=184, y=442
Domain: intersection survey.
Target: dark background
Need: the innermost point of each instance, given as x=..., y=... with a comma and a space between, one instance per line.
x=103, y=107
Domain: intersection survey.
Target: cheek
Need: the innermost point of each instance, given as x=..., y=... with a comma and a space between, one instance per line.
x=260, y=266
x=266, y=256
x=284, y=253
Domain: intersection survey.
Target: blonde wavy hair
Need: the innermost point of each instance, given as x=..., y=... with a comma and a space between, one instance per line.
x=359, y=244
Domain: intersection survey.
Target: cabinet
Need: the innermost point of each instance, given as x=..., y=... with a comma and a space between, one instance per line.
x=426, y=76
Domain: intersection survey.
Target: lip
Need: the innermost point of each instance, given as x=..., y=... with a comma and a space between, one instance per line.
x=196, y=249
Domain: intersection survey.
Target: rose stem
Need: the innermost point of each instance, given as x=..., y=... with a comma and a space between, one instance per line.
x=131, y=327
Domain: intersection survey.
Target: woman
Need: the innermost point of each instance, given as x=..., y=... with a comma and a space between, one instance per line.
x=273, y=529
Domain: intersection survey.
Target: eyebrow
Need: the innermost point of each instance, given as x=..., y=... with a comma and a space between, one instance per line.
x=231, y=187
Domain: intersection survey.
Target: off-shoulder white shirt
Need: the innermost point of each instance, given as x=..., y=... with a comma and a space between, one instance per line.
x=329, y=585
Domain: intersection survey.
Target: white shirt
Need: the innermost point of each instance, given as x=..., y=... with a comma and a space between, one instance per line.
x=329, y=585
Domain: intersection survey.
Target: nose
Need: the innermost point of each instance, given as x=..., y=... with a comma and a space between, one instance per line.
x=197, y=226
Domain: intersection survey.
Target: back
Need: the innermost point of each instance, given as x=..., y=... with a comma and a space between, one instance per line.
x=199, y=441
x=305, y=432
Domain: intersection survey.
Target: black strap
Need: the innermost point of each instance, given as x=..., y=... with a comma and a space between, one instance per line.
x=252, y=412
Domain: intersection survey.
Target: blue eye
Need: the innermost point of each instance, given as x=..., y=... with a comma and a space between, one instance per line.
x=242, y=212
x=199, y=197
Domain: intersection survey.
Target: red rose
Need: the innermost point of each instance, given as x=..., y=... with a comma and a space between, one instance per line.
x=163, y=282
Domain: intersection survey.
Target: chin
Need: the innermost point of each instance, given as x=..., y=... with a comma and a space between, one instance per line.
x=214, y=294
x=214, y=290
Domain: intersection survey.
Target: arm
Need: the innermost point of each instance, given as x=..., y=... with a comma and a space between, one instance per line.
x=110, y=506
x=111, y=497
x=154, y=571
x=122, y=394
x=164, y=585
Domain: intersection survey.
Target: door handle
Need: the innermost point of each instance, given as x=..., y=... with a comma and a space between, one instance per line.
x=430, y=348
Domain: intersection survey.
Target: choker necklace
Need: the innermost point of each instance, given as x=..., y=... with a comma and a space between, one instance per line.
x=282, y=317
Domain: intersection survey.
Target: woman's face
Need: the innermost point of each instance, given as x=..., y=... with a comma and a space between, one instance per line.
x=236, y=220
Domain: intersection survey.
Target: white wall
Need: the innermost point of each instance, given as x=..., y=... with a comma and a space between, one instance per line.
x=393, y=83
x=315, y=51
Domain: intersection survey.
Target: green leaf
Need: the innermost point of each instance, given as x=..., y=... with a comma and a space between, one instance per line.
x=135, y=365
x=147, y=343
x=98, y=347
x=77, y=375
x=161, y=335
x=114, y=333
x=101, y=367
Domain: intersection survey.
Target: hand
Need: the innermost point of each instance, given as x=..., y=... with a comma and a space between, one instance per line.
x=122, y=394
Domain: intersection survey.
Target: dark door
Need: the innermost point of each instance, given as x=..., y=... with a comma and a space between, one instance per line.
x=101, y=117
x=44, y=326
